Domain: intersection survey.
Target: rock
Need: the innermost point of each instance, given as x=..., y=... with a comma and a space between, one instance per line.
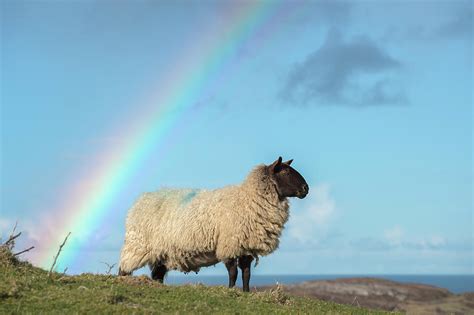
x=387, y=295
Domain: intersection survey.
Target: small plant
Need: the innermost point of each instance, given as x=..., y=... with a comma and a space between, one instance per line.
x=57, y=255
x=109, y=266
x=6, y=249
x=278, y=295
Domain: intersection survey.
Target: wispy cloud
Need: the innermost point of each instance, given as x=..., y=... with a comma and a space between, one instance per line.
x=395, y=238
x=44, y=238
x=394, y=235
x=310, y=221
x=345, y=72
x=327, y=13
x=457, y=24
x=6, y=227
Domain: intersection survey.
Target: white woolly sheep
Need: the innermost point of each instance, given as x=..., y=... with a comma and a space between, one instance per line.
x=186, y=229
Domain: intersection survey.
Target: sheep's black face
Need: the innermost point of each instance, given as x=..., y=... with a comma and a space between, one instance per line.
x=288, y=182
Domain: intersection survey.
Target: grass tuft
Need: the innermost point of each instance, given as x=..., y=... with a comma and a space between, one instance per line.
x=6, y=257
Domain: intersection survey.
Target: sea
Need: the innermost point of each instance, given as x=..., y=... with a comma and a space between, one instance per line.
x=454, y=283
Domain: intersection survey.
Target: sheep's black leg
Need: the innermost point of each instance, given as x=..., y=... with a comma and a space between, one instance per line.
x=158, y=272
x=231, y=266
x=244, y=264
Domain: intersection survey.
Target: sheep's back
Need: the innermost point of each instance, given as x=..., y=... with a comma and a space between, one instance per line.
x=153, y=210
x=173, y=224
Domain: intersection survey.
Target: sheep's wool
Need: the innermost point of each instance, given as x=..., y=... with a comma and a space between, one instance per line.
x=185, y=229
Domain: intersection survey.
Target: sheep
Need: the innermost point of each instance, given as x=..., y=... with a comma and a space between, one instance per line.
x=186, y=229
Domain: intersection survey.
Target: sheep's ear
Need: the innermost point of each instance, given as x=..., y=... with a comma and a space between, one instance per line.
x=276, y=166
x=288, y=162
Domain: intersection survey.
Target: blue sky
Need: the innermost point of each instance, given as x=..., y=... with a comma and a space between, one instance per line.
x=372, y=100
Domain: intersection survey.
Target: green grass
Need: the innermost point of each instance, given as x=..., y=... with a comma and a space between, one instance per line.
x=27, y=289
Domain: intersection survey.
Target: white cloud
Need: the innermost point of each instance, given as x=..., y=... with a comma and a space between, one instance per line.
x=6, y=226
x=310, y=219
x=428, y=242
x=394, y=235
x=396, y=238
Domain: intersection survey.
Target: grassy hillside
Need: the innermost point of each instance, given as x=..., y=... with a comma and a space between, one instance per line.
x=27, y=289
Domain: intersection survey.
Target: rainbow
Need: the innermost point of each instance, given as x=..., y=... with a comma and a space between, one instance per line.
x=193, y=73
